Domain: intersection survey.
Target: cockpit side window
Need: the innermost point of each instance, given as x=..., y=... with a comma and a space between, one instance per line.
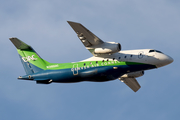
x=154, y=51
x=151, y=51
x=158, y=51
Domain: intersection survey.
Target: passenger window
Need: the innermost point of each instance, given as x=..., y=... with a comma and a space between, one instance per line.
x=96, y=62
x=119, y=57
x=107, y=59
x=103, y=61
x=131, y=55
x=124, y=56
x=84, y=64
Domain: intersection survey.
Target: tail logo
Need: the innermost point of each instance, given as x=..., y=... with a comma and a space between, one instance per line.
x=28, y=58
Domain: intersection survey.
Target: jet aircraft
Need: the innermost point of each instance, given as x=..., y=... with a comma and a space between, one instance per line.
x=108, y=62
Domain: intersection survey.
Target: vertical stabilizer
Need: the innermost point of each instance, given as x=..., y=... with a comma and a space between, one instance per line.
x=31, y=61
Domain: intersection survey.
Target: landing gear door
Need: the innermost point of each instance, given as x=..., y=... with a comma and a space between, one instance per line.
x=75, y=69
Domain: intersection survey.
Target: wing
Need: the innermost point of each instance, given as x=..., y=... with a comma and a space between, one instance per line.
x=87, y=37
x=132, y=83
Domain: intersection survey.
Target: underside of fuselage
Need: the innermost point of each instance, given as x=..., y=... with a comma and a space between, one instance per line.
x=98, y=74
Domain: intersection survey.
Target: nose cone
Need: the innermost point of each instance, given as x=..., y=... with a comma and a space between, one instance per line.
x=169, y=60
x=164, y=60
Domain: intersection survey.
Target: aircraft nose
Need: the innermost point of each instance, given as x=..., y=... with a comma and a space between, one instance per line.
x=169, y=60
x=164, y=60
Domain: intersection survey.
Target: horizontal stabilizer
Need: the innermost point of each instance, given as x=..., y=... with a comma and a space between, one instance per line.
x=131, y=82
x=38, y=80
x=19, y=44
x=29, y=77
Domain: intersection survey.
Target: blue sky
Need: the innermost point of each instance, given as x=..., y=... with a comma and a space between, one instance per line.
x=136, y=24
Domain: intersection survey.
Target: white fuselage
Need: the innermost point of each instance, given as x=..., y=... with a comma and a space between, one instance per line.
x=147, y=56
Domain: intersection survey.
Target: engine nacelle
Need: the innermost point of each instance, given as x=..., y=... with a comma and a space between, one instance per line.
x=108, y=48
x=133, y=74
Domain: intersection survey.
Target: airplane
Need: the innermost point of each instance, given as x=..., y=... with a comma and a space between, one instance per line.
x=108, y=62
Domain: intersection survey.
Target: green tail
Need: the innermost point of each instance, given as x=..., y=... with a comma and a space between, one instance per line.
x=31, y=61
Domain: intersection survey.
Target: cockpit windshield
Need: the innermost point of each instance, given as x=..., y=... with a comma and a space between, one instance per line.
x=154, y=51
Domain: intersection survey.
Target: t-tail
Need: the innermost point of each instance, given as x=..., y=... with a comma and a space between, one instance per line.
x=31, y=61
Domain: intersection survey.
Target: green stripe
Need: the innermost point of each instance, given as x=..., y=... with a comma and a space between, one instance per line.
x=39, y=62
x=54, y=66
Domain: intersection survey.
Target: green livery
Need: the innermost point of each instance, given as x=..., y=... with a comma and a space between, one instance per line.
x=108, y=62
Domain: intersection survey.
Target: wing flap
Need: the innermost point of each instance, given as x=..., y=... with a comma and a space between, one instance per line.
x=132, y=83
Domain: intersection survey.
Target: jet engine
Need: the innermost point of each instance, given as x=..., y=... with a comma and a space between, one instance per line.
x=108, y=48
x=133, y=74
